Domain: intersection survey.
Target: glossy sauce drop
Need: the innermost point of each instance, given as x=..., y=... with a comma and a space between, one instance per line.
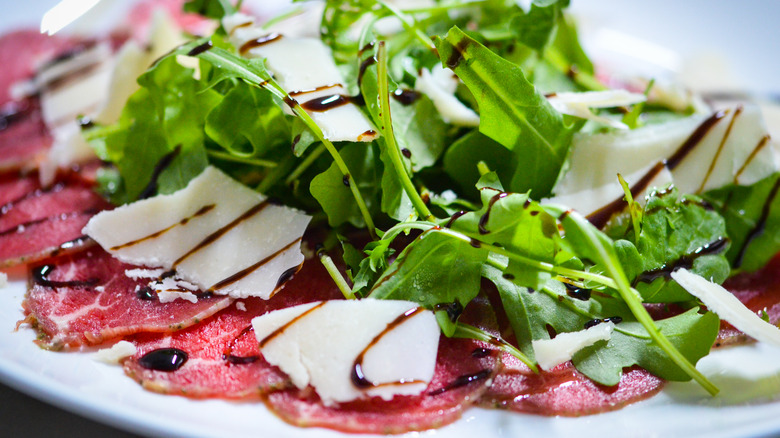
x=164, y=359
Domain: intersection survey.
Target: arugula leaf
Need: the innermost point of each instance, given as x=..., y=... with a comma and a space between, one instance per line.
x=535, y=28
x=166, y=114
x=210, y=8
x=692, y=333
x=679, y=231
x=512, y=112
x=248, y=122
x=433, y=270
x=334, y=195
x=752, y=215
x=461, y=158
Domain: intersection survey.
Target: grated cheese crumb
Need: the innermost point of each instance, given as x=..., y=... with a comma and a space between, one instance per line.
x=241, y=306
x=3, y=279
x=170, y=296
x=116, y=353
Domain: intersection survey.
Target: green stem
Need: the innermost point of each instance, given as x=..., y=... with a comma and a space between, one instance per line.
x=408, y=24
x=442, y=8
x=584, y=80
x=308, y=161
x=236, y=159
x=334, y=273
x=387, y=132
x=467, y=331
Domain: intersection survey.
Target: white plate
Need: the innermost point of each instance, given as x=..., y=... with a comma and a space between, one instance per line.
x=749, y=377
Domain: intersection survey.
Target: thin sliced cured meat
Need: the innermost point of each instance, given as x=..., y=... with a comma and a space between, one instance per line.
x=14, y=185
x=224, y=360
x=464, y=369
x=86, y=299
x=760, y=292
x=22, y=52
x=564, y=390
x=23, y=135
x=39, y=222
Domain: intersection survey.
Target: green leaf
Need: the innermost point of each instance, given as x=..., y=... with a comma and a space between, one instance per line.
x=434, y=269
x=512, y=112
x=679, y=231
x=210, y=8
x=535, y=28
x=692, y=333
x=165, y=117
x=752, y=215
x=248, y=122
x=334, y=195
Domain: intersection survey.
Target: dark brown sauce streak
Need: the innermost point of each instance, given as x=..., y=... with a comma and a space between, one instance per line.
x=723, y=141
x=70, y=77
x=326, y=103
x=758, y=229
x=164, y=359
x=239, y=360
x=457, y=56
x=358, y=378
x=453, y=218
x=600, y=217
x=263, y=40
x=288, y=324
x=694, y=139
x=463, y=381
x=685, y=261
x=761, y=143
x=243, y=273
x=220, y=232
x=201, y=212
x=363, y=67
x=486, y=217
x=166, y=160
x=14, y=112
x=71, y=244
x=320, y=88
x=41, y=273
x=197, y=50
x=239, y=26
x=406, y=97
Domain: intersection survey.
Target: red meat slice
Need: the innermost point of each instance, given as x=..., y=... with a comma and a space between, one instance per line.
x=14, y=185
x=564, y=390
x=38, y=222
x=23, y=135
x=96, y=302
x=208, y=373
x=463, y=371
x=23, y=51
x=760, y=292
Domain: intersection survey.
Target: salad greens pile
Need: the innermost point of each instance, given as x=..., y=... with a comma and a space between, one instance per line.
x=450, y=209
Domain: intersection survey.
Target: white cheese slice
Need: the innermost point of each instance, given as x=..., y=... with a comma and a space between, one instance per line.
x=580, y=104
x=553, y=352
x=249, y=239
x=394, y=344
x=116, y=353
x=727, y=306
x=591, y=200
x=735, y=149
x=301, y=66
x=439, y=84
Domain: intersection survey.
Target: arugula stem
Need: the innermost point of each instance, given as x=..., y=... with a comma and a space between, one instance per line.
x=584, y=80
x=258, y=78
x=466, y=331
x=409, y=24
x=308, y=161
x=442, y=8
x=236, y=159
x=334, y=273
x=387, y=132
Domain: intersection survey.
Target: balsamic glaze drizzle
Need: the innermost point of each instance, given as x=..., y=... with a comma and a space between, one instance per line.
x=40, y=276
x=151, y=188
x=164, y=359
x=463, y=381
x=239, y=360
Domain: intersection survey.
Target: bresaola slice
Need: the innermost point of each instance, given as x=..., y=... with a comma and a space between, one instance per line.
x=564, y=391
x=86, y=299
x=23, y=134
x=223, y=356
x=464, y=370
x=35, y=224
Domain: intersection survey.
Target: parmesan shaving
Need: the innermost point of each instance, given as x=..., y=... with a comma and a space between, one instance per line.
x=116, y=353
x=553, y=352
x=727, y=306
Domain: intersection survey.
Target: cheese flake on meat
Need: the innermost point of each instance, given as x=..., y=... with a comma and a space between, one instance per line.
x=352, y=349
x=552, y=352
x=215, y=233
